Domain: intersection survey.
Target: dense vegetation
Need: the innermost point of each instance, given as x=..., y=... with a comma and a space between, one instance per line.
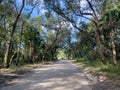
x=28, y=39
x=86, y=30
x=98, y=35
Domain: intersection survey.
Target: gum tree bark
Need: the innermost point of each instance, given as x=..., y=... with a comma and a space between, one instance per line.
x=7, y=52
x=112, y=36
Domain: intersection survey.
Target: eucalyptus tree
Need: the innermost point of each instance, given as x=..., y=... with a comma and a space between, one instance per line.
x=7, y=15
x=85, y=43
x=13, y=15
x=14, y=24
x=110, y=20
x=24, y=22
x=76, y=10
x=54, y=28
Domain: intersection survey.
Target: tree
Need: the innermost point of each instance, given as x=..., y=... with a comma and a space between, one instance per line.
x=6, y=59
x=111, y=20
x=73, y=10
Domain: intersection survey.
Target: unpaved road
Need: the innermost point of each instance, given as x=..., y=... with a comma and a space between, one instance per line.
x=62, y=75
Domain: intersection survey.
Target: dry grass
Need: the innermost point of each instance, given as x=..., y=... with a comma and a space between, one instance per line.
x=105, y=77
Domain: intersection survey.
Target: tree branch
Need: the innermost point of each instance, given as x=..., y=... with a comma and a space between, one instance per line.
x=17, y=18
x=90, y=5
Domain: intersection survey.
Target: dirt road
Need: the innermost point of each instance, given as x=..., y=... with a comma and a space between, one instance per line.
x=62, y=75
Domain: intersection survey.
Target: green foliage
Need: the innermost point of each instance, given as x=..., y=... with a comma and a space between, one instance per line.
x=96, y=65
x=61, y=54
x=50, y=35
x=111, y=69
x=89, y=63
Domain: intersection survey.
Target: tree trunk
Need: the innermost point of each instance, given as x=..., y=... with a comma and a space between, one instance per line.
x=18, y=55
x=30, y=53
x=112, y=35
x=33, y=54
x=19, y=46
x=6, y=62
x=6, y=59
x=100, y=47
x=43, y=58
x=11, y=60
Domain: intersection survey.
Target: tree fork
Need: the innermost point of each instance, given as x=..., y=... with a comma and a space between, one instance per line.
x=7, y=52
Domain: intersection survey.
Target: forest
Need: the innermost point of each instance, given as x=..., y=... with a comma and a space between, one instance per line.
x=34, y=31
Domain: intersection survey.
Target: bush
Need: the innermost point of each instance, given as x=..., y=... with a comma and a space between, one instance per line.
x=111, y=69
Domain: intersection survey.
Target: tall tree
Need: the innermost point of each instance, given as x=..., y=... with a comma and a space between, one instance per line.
x=73, y=10
x=6, y=59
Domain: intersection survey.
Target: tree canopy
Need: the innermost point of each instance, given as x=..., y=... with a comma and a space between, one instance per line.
x=86, y=29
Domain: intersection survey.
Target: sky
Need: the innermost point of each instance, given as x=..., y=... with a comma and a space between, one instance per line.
x=36, y=12
x=40, y=10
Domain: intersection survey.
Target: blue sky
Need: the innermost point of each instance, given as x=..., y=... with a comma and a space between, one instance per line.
x=40, y=10
x=36, y=12
x=40, y=7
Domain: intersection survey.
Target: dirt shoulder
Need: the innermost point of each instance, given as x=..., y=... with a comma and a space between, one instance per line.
x=61, y=75
x=102, y=80
x=7, y=75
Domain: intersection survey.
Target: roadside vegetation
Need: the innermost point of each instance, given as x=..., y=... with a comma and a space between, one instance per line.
x=85, y=30
x=96, y=22
x=28, y=39
x=109, y=71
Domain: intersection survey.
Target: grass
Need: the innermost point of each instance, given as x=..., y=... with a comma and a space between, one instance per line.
x=13, y=68
x=23, y=68
x=111, y=69
x=96, y=67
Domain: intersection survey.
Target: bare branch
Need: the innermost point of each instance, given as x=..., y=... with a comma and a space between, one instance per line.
x=17, y=18
x=90, y=5
x=15, y=6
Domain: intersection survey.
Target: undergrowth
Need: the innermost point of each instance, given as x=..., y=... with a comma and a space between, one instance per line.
x=96, y=65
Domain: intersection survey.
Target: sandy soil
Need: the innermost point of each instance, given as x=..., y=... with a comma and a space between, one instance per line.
x=62, y=75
